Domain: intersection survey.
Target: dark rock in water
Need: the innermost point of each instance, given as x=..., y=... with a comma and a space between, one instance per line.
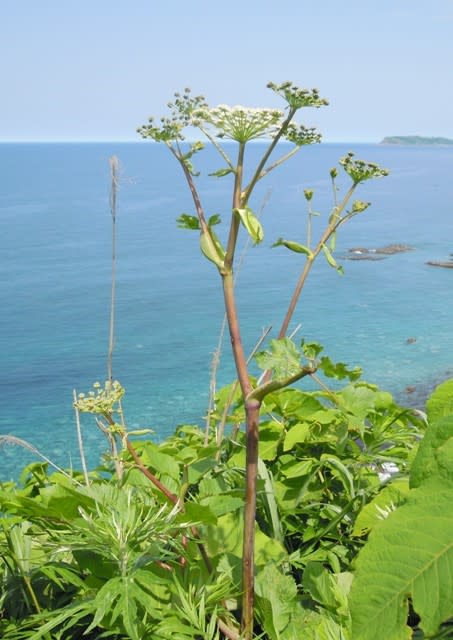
x=445, y=265
x=388, y=249
x=411, y=340
x=415, y=396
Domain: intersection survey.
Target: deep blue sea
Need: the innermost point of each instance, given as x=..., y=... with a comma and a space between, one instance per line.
x=55, y=228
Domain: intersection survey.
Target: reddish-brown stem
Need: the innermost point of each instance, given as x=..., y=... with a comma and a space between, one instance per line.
x=252, y=412
x=193, y=189
x=235, y=334
x=151, y=477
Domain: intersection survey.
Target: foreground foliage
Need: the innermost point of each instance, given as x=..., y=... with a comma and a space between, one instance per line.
x=115, y=559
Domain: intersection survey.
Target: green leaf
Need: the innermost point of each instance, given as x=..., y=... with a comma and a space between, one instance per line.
x=251, y=224
x=360, y=399
x=434, y=459
x=270, y=436
x=269, y=502
x=329, y=257
x=214, y=219
x=293, y=246
x=408, y=557
x=333, y=241
x=440, y=403
x=338, y=370
x=160, y=462
x=221, y=172
x=311, y=349
x=320, y=584
x=298, y=433
x=220, y=504
x=283, y=358
x=276, y=599
x=226, y=537
x=198, y=514
x=297, y=468
x=188, y=222
x=212, y=248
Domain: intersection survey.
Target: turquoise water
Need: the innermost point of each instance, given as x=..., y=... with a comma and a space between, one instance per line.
x=55, y=284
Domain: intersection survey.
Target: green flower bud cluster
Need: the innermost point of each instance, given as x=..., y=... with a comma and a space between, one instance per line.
x=102, y=400
x=185, y=106
x=182, y=115
x=359, y=170
x=300, y=135
x=168, y=131
x=298, y=98
x=359, y=205
x=242, y=123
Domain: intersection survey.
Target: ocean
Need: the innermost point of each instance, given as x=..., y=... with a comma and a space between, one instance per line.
x=55, y=282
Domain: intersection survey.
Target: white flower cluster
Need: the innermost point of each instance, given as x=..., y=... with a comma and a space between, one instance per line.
x=242, y=123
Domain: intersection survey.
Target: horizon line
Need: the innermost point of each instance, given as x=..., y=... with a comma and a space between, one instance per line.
x=142, y=141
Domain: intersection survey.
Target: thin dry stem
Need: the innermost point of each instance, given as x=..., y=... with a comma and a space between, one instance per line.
x=7, y=439
x=80, y=440
x=114, y=168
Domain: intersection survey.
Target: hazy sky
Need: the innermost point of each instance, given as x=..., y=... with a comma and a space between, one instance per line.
x=96, y=69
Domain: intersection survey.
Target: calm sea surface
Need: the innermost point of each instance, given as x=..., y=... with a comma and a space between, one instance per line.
x=55, y=282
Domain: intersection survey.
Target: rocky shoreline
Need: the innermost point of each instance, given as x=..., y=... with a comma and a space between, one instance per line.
x=381, y=253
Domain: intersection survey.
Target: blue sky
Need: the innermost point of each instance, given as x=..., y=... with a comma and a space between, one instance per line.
x=96, y=69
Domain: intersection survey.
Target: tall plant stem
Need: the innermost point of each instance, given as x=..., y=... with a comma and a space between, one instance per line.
x=259, y=170
x=336, y=221
x=237, y=203
x=114, y=164
x=240, y=360
x=252, y=413
x=221, y=426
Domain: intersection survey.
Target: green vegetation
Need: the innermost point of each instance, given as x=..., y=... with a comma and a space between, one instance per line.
x=420, y=140
x=256, y=525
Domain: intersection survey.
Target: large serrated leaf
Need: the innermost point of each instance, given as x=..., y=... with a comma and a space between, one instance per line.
x=409, y=557
x=276, y=599
x=283, y=358
x=440, y=403
x=434, y=459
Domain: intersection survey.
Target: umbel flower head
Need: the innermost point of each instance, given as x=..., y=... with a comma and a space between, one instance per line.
x=102, y=400
x=242, y=124
x=360, y=170
x=296, y=97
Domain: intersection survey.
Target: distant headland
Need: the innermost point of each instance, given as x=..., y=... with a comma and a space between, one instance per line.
x=418, y=140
